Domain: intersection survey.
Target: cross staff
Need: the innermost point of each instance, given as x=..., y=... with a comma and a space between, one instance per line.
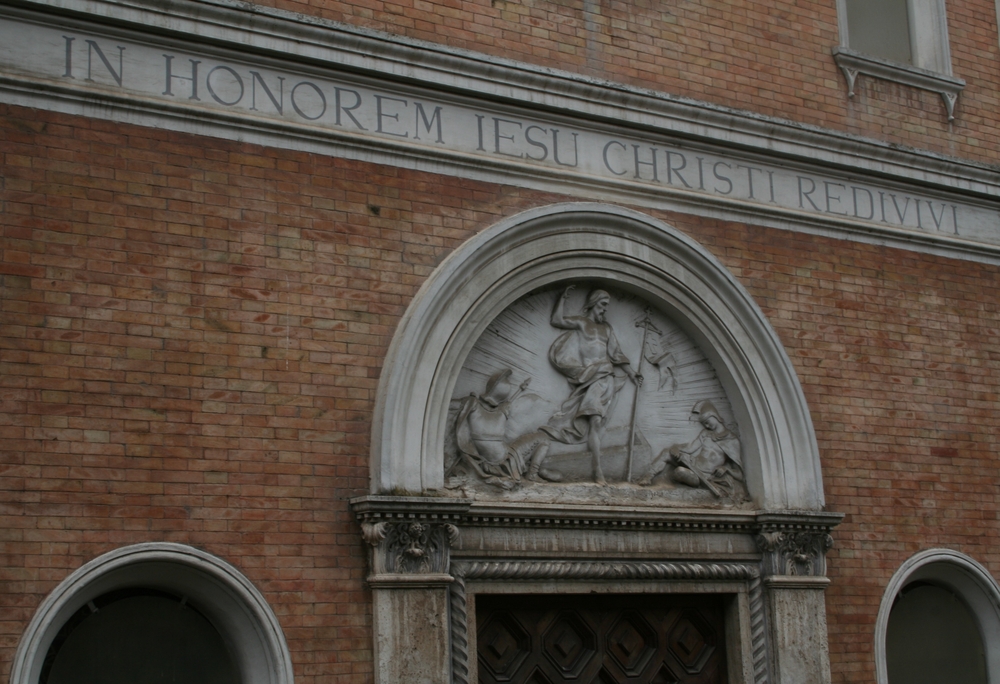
x=646, y=324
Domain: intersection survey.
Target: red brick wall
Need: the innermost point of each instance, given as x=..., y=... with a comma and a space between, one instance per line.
x=899, y=357
x=191, y=332
x=772, y=58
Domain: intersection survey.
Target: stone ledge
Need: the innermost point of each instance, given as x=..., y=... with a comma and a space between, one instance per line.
x=854, y=64
x=377, y=508
x=403, y=581
x=284, y=35
x=796, y=582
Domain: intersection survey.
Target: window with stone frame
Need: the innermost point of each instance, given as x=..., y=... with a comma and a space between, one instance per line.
x=907, y=32
x=903, y=41
x=880, y=28
x=932, y=637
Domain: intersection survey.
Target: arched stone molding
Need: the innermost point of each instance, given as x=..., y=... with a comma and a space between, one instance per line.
x=227, y=598
x=596, y=242
x=963, y=576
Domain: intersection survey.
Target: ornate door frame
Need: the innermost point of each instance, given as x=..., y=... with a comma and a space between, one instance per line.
x=770, y=565
x=589, y=637
x=433, y=548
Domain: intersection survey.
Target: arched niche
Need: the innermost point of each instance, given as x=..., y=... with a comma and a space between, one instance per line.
x=963, y=577
x=221, y=593
x=599, y=243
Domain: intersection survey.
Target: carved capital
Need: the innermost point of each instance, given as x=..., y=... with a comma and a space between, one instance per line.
x=409, y=548
x=409, y=539
x=374, y=533
x=794, y=552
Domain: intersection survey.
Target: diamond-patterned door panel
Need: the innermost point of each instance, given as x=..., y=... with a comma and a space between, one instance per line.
x=569, y=644
x=503, y=646
x=537, y=677
x=604, y=677
x=587, y=639
x=631, y=642
x=691, y=641
x=664, y=676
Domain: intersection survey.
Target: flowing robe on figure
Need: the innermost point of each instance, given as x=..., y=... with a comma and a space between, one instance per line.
x=586, y=355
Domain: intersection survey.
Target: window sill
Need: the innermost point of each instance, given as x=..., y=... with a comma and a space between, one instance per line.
x=854, y=64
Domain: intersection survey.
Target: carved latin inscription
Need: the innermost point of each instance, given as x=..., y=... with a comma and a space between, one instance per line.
x=148, y=76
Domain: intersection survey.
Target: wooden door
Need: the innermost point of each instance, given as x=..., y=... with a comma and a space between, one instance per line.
x=587, y=639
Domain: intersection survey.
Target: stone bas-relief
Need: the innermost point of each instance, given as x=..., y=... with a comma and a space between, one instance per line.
x=583, y=391
x=712, y=459
x=413, y=547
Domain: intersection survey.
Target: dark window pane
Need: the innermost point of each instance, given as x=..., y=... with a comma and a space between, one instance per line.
x=880, y=28
x=932, y=638
x=139, y=637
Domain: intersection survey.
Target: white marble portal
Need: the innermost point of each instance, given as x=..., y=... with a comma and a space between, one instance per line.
x=520, y=360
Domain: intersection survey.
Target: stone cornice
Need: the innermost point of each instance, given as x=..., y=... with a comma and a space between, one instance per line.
x=608, y=517
x=798, y=521
x=285, y=35
x=374, y=509
x=289, y=36
x=945, y=205
x=466, y=512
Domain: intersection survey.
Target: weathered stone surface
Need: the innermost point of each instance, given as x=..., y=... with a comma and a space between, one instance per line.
x=765, y=563
x=411, y=635
x=798, y=631
x=562, y=381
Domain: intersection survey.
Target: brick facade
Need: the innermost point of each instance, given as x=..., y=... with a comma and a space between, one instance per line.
x=769, y=59
x=192, y=330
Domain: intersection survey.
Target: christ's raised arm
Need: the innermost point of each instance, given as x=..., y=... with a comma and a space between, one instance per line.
x=559, y=319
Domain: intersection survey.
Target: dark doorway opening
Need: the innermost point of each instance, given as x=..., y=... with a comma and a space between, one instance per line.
x=134, y=636
x=933, y=637
x=601, y=639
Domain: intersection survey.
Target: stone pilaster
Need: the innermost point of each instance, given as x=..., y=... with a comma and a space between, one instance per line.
x=793, y=567
x=409, y=562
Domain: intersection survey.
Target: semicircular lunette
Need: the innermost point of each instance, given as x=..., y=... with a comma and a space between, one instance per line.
x=565, y=379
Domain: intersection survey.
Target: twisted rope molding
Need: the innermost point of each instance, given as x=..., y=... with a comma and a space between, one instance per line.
x=548, y=570
x=459, y=628
x=758, y=634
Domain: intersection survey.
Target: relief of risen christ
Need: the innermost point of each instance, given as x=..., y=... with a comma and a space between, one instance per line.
x=587, y=355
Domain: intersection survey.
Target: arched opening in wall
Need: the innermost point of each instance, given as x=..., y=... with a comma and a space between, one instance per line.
x=933, y=637
x=939, y=621
x=139, y=635
x=157, y=613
